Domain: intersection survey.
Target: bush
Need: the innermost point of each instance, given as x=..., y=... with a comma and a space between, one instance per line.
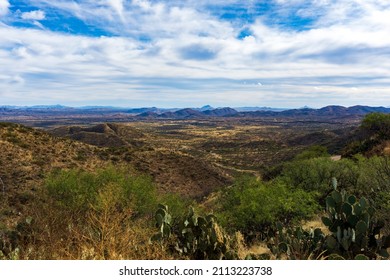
x=177, y=205
x=374, y=130
x=355, y=232
x=377, y=125
x=91, y=215
x=313, y=152
x=77, y=190
x=315, y=175
x=251, y=205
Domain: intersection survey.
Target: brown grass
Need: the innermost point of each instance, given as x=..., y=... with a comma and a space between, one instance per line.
x=314, y=223
x=101, y=233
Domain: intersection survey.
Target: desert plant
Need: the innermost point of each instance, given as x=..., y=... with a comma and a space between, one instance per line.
x=377, y=125
x=197, y=237
x=313, y=152
x=77, y=190
x=355, y=233
x=297, y=243
x=104, y=214
x=253, y=206
x=353, y=228
x=314, y=174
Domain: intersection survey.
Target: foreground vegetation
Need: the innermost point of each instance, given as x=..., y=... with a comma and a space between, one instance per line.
x=84, y=215
x=114, y=212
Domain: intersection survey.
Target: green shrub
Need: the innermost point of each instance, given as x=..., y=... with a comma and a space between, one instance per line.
x=313, y=152
x=355, y=232
x=315, y=175
x=253, y=205
x=374, y=130
x=377, y=125
x=78, y=191
x=177, y=205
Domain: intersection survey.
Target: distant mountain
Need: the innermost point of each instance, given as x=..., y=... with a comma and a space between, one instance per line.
x=335, y=111
x=328, y=111
x=362, y=110
x=35, y=107
x=141, y=110
x=58, y=106
x=99, y=107
x=220, y=112
x=188, y=113
x=148, y=114
x=206, y=107
x=253, y=109
x=124, y=114
x=182, y=114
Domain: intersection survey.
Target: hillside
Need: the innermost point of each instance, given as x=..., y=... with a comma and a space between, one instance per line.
x=103, y=135
x=31, y=153
x=172, y=170
x=28, y=155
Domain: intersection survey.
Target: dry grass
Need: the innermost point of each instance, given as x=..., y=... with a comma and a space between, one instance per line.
x=101, y=233
x=258, y=249
x=314, y=223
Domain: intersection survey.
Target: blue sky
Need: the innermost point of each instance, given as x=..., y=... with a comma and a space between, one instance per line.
x=133, y=53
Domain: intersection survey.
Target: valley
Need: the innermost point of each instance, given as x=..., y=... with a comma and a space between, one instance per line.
x=193, y=161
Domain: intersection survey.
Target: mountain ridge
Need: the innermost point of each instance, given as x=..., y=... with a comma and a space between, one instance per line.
x=57, y=113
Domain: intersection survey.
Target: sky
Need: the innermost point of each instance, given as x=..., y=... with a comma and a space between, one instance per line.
x=188, y=53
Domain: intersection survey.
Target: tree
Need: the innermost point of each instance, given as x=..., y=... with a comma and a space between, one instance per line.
x=377, y=125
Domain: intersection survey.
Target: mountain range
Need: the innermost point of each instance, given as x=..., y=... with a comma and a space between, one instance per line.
x=207, y=111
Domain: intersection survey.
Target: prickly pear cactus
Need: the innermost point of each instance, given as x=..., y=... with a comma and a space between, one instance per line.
x=197, y=237
x=350, y=221
x=296, y=243
x=163, y=223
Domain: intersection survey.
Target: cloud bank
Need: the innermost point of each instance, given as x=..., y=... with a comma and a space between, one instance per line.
x=188, y=53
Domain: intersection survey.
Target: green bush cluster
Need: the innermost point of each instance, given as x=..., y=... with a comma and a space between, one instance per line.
x=315, y=174
x=77, y=190
x=355, y=233
x=361, y=176
x=373, y=131
x=313, y=152
x=251, y=205
x=105, y=214
x=377, y=125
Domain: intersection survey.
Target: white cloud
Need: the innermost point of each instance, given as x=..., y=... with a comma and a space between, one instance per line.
x=186, y=46
x=4, y=5
x=34, y=15
x=117, y=5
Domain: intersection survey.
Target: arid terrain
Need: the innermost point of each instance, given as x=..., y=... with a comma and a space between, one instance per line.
x=198, y=159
